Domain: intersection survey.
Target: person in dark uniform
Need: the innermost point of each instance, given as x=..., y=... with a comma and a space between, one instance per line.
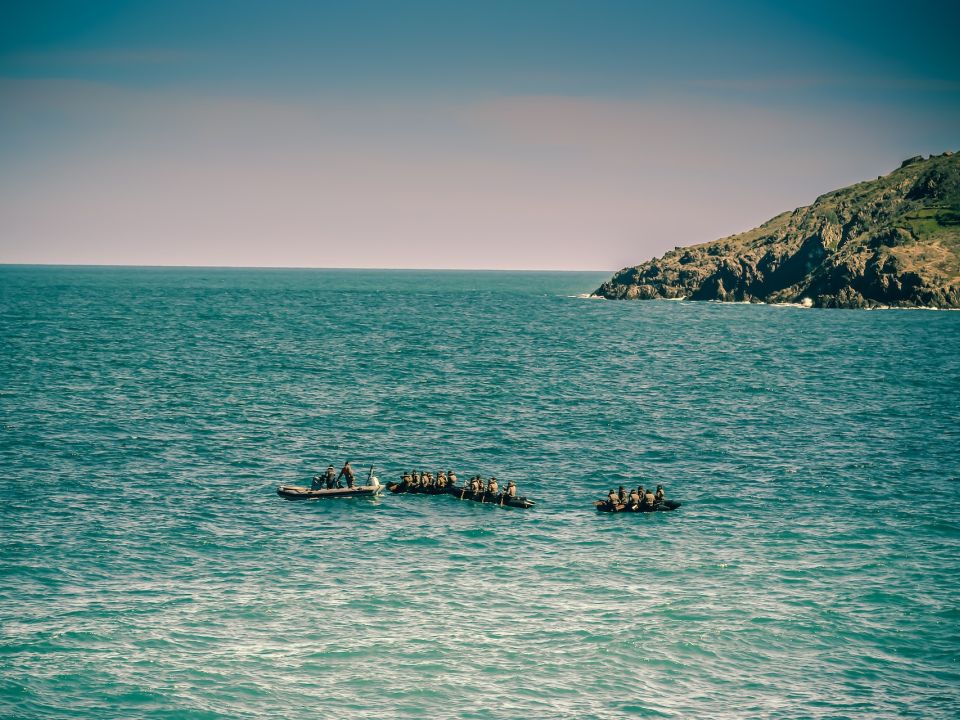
x=330, y=477
x=346, y=472
x=622, y=495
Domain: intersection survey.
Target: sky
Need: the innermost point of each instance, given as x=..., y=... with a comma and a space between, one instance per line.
x=497, y=135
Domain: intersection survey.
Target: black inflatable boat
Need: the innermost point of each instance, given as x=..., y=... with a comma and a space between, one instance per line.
x=662, y=506
x=463, y=493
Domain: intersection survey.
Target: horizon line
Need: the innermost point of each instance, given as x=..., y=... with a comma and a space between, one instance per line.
x=295, y=267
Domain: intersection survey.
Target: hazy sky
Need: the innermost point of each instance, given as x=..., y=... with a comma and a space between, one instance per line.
x=566, y=135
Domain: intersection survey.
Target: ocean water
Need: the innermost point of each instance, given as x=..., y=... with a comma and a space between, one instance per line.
x=149, y=570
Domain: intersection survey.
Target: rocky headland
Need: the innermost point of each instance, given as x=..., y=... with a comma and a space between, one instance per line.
x=889, y=242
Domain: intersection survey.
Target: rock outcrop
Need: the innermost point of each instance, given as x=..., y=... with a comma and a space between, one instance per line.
x=893, y=241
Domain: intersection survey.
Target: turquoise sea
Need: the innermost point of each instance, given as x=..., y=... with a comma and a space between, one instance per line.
x=149, y=570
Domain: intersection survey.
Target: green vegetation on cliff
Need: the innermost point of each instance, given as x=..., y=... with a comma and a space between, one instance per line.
x=893, y=241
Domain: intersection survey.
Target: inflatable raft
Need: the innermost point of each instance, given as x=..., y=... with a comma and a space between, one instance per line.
x=298, y=492
x=463, y=493
x=663, y=506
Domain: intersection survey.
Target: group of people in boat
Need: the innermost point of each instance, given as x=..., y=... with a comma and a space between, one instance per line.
x=639, y=499
x=427, y=480
x=492, y=487
x=443, y=480
x=330, y=479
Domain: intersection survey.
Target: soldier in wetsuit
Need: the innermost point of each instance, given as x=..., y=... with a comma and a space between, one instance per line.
x=659, y=495
x=612, y=497
x=621, y=495
x=493, y=487
x=511, y=491
x=330, y=477
x=451, y=478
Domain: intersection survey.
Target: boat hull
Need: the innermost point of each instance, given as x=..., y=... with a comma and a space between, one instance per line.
x=298, y=492
x=665, y=506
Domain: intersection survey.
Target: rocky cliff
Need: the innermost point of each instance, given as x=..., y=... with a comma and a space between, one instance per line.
x=893, y=241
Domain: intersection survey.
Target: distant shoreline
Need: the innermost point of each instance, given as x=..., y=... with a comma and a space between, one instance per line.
x=889, y=242
x=799, y=306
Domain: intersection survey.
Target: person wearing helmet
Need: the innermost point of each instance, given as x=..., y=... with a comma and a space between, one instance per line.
x=659, y=495
x=493, y=487
x=511, y=490
x=330, y=477
x=650, y=498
